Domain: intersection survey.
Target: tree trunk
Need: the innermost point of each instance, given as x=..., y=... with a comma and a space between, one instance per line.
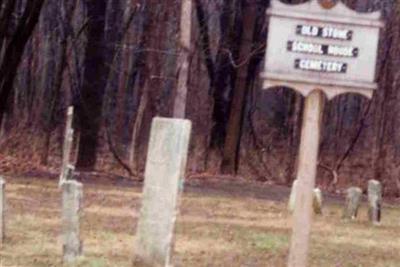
x=183, y=59
x=136, y=128
x=221, y=86
x=232, y=141
x=94, y=82
x=14, y=50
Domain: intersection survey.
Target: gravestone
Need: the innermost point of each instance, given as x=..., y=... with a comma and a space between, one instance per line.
x=164, y=177
x=374, y=201
x=2, y=210
x=318, y=48
x=72, y=194
x=353, y=200
x=317, y=199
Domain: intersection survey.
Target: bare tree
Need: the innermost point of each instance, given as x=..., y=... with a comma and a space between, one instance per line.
x=183, y=59
x=12, y=47
x=94, y=82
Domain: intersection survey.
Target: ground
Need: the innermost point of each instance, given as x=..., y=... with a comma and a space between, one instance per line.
x=221, y=223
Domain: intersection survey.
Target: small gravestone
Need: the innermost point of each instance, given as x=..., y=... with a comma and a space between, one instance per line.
x=317, y=199
x=353, y=200
x=164, y=175
x=2, y=209
x=72, y=195
x=374, y=201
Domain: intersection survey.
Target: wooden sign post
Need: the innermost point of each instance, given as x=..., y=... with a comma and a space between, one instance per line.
x=306, y=173
x=318, y=48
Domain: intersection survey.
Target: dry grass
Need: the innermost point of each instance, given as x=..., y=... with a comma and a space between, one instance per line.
x=212, y=230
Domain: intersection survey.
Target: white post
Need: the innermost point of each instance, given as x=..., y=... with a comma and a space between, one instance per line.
x=72, y=195
x=307, y=169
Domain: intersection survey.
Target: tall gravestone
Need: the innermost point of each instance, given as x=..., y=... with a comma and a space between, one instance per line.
x=164, y=177
x=320, y=47
x=2, y=210
x=317, y=201
x=72, y=195
x=374, y=201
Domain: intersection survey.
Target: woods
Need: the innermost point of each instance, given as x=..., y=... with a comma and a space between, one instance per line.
x=122, y=62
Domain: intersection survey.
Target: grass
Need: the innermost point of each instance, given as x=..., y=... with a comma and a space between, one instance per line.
x=269, y=241
x=212, y=230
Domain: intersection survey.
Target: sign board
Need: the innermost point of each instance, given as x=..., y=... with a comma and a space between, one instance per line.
x=313, y=47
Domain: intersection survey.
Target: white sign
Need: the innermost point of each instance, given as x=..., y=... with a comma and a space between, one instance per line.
x=312, y=47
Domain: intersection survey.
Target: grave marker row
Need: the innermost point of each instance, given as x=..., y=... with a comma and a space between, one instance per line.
x=164, y=177
x=353, y=201
x=163, y=183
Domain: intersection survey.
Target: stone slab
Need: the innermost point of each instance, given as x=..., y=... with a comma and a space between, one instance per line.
x=164, y=176
x=374, y=201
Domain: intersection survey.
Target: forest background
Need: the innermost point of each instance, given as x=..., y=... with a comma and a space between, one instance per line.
x=119, y=63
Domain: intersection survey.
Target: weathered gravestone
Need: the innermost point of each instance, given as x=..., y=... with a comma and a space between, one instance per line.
x=374, y=201
x=72, y=194
x=2, y=210
x=164, y=176
x=353, y=200
x=316, y=48
x=317, y=199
